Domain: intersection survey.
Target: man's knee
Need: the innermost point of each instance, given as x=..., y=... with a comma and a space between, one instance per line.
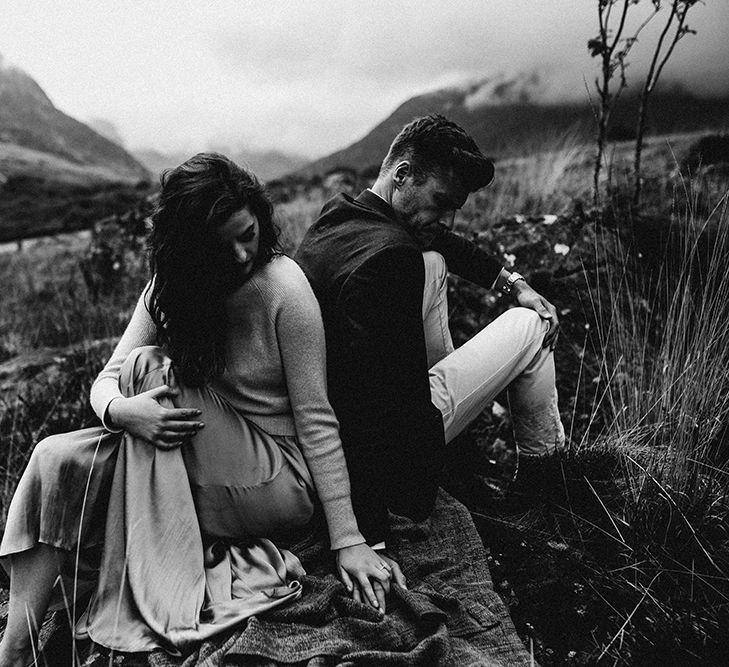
x=526, y=319
x=139, y=364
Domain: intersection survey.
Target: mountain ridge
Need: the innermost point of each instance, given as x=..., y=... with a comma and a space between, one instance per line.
x=266, y=164
x=29, y=119
x=507, y=118
x=56, y=173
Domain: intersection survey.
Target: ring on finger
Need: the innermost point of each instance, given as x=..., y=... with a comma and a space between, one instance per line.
x=384, y=566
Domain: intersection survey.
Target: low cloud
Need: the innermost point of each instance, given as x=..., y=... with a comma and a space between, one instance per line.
x=408, y=47
x=313, y=77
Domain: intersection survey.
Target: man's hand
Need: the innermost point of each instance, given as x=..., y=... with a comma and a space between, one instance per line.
x=144, y=417
x=367, y=574
x=528, y=298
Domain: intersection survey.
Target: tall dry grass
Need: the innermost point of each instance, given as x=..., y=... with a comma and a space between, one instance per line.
x=54, y=339
x=546, y=182
x=663, y=352
x=296, y=216
x=45, y=302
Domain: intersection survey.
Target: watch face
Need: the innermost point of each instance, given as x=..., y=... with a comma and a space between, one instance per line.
x=510, y=281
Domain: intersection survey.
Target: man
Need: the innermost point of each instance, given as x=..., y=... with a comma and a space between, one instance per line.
x=378, y=265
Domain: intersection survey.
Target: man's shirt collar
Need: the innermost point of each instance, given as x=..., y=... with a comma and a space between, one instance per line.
x=372, y=200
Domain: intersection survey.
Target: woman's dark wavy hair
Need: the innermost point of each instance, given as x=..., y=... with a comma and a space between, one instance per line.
x=193, y=271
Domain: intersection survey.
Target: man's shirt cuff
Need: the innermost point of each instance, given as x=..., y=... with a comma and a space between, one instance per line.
x=501, y=279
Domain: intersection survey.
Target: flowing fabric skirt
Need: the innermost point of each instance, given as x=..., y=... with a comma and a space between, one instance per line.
x=185, y=531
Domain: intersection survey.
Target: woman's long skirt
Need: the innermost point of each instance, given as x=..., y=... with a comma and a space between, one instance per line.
x=185, y=532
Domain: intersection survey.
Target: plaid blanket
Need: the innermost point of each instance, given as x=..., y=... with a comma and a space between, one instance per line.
x=449, y=615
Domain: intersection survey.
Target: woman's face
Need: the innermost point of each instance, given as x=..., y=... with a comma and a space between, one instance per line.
x=241, y=234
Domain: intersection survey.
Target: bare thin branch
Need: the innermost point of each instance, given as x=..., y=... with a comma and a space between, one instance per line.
x=677, y=36
x=650, y=80
x=621, y=26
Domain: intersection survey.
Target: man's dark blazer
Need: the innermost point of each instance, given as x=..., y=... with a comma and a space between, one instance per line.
x=366, y=269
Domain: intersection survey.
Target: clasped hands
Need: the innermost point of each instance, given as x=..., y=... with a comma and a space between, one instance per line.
x=368, y=574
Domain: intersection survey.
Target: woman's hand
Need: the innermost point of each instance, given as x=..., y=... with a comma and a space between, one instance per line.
x=367, y=574
x=144, y=417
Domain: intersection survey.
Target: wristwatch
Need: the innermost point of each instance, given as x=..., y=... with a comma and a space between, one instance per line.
x=510, y=281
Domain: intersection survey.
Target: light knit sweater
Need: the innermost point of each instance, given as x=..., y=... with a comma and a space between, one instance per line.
x=275, y=376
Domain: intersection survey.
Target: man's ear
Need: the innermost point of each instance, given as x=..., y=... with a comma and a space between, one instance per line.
x=402, y=171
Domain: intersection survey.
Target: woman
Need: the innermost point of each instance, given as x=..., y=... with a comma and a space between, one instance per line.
x=242, y=349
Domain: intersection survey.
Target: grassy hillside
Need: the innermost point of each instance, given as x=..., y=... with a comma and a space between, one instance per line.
x=44, y=194
x=616, y=554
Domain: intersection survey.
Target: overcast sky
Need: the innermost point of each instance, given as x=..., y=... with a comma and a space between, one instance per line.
x=308, y=77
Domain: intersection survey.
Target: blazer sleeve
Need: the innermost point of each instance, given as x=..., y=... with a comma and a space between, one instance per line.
x=392, y=432
x=466, y=259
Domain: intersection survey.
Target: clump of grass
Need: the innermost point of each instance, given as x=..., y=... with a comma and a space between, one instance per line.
x=45, y=301
x=663, y=343
x=556, y=173
x=54, y=400
x=620, y=553
x=295, y=216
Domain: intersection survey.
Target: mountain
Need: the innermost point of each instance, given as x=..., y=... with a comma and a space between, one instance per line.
x=156, y=161
x=269, y=164
x=265, y=164
x=28, y=119
x=106, y=129
x=56, y=174
x=511, y=117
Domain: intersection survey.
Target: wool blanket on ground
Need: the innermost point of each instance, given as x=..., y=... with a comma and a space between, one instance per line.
x=449, y=615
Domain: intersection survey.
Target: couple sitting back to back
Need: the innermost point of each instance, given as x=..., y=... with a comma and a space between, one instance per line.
x=232, y=368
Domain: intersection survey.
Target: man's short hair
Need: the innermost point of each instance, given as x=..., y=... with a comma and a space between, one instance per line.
x=434, y=146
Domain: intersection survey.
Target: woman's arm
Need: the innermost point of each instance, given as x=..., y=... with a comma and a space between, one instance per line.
x=140, y=331
x=140, y=415
x=301, y=341
x=300, y=335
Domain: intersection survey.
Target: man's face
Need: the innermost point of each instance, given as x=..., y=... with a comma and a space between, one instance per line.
x=425, y=206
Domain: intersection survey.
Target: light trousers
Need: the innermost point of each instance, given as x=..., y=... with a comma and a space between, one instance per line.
x=507, y=354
